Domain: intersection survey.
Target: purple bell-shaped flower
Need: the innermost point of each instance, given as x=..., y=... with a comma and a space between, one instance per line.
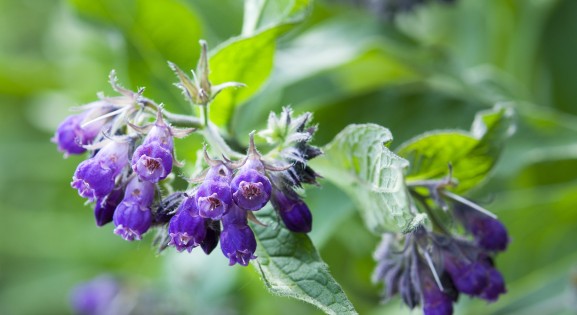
x=152, y=160
x=186, y=229
x=237, y=240
x=133, y=215
x=293, y=211
x=104, y=207
x=71, y=136
x=489, y=233
x=251, y=189
x=94, y=178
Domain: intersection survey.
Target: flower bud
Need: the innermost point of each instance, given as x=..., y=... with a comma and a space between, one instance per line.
x=293, y=211
x=133, y=215
x=489, y=233
x=104, y=207
x=186, y=229
x=94, y=178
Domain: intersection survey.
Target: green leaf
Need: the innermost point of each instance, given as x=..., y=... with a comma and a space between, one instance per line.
x=471, y=154
x=261, y=14
x=248, y=58
x=359, y=162
x=290, y=266
x=245, y=60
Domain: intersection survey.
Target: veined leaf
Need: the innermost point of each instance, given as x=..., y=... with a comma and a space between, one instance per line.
x=359, y=162
x=471, y=154
x=290, y=266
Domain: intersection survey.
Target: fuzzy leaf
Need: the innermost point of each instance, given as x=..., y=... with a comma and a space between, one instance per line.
x=471, y=154
x=359, y=162
x=290, y=265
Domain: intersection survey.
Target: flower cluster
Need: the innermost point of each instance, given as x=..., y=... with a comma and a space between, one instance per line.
x=130, y=140
x=228, y=195
x=434, y=266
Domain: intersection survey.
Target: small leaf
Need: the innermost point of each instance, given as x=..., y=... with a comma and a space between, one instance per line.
x=290, y=266
x=359, y=162
x=471, y=154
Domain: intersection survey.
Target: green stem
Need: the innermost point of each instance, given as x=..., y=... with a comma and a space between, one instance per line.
x=204, y=113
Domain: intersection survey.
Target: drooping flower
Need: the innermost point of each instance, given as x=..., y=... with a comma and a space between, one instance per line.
x=213, y=231
x=71, y=135
x=293, y=211
x=104, y=207
x=94, y=178
x=152, y=160
x=133, y=216
x=186, y=229
x=237, y=240
x=489, y=233
x=251, y=189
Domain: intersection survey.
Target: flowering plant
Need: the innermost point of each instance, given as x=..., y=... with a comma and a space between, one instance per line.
x=406, y=197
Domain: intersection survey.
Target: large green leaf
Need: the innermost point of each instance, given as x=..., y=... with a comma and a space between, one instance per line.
x=249, y=58
x=290, y=266
x=471, y=154
x=359, y=162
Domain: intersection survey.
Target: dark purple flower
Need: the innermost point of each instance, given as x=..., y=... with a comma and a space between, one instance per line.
x=250, y=188
x=133, y=215
x=495, y=286
x=104, y=207
x=293, y=211
x=237, y=239
x=152, y=162
x=212, y=236
x=71, y=136
x=213, y=199
x=435, y=301
x=94, y=297
x=489, y=233
x=94, y=178
x=186, y=229
x=469, y=277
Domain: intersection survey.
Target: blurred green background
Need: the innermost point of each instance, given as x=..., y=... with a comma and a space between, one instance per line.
x=433, y=68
